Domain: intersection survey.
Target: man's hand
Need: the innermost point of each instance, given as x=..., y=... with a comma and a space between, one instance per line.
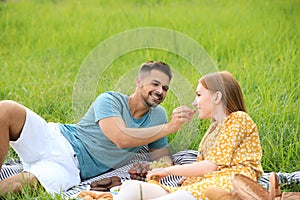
x=180, y=116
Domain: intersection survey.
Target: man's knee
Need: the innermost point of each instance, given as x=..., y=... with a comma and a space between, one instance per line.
x=12, y=117
x=7, y=107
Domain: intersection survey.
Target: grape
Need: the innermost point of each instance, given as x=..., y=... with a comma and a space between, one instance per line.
x=139, y=170
x=158, y=164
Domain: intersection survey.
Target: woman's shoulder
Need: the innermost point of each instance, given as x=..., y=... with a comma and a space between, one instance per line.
x=240, y=116
x=241, y=120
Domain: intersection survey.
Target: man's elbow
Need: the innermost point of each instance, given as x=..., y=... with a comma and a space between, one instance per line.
x=122, y=144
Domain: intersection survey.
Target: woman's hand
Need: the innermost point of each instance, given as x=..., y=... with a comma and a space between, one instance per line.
x=196, y=169
x=157, y=174
x=181, y=181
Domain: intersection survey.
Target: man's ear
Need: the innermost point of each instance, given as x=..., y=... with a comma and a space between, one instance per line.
x=138, y=82
x=217, y=97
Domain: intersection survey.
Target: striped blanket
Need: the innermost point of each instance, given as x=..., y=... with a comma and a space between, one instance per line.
x=187, y=156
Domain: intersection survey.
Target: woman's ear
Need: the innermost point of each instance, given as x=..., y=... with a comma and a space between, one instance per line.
x=217, y=97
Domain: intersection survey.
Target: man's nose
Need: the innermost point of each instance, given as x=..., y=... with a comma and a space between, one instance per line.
x=159, y=89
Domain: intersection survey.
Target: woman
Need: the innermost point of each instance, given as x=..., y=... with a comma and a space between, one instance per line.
x=230, y=146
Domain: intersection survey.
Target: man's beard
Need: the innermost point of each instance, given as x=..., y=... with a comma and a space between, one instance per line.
x=153, y=99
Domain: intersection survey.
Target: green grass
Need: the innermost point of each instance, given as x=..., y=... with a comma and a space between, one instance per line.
x=43, y=43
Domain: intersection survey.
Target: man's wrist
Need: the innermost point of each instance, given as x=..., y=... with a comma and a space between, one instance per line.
x=169, y=129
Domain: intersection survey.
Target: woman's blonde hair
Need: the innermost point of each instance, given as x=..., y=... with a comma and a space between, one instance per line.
x=224, y=82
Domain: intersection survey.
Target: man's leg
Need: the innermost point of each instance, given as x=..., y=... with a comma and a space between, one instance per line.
x=12, y=119
x=17, y=182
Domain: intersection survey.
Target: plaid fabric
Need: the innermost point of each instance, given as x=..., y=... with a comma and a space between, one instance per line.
x=10, y=168
x=13, y=167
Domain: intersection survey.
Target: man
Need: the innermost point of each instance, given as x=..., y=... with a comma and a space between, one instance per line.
x=58, y=156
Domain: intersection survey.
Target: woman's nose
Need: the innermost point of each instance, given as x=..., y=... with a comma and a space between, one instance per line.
x=194, y=102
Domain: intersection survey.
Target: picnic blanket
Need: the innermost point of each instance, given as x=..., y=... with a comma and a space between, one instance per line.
x=13, y=167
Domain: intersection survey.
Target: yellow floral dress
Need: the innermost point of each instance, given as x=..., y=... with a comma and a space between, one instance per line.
x=234, y=146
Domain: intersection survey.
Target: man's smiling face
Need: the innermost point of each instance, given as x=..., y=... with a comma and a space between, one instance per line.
x=154, y=88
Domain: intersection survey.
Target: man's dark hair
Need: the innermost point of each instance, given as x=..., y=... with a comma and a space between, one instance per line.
x=147, y=67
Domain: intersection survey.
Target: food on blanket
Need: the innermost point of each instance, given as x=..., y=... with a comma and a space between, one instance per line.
x=114, y=184
x=116, y=181
x=102, y=182
x=115, y=190
x=159, y=164
x=139, y=170
x=100, y=189
x=106, y=183
x=88, y=195
x=152, y=181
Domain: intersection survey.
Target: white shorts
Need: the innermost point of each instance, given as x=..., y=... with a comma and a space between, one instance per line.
x=47, y=154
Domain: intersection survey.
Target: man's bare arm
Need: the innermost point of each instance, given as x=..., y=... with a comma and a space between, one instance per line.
x=115, y=129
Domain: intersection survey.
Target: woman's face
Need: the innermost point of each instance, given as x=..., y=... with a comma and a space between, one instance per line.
x=203, y=102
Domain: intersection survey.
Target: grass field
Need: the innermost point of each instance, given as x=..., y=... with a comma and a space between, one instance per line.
x=43, y=44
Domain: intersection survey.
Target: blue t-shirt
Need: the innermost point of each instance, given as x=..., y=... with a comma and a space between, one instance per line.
x=96, y=154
